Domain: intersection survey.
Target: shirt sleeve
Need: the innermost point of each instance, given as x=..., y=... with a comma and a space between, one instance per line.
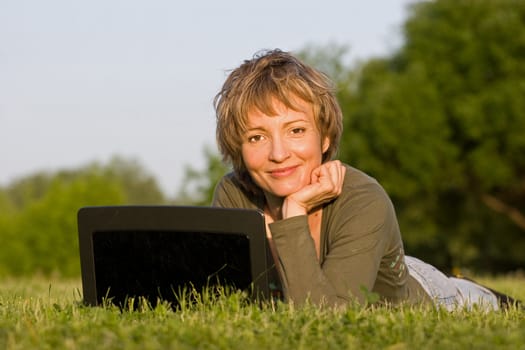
x=359, y=230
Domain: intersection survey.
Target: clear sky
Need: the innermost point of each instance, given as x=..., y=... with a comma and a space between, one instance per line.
x=85, y=80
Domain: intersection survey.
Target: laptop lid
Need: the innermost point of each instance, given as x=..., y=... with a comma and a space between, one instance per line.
x=156, y=252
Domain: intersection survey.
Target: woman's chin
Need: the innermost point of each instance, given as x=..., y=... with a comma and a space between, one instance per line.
x=283, y=191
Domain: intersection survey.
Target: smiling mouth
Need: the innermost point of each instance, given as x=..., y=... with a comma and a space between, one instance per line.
x=283, y=172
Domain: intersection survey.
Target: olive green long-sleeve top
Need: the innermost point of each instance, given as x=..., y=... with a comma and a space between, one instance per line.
x=361, y=249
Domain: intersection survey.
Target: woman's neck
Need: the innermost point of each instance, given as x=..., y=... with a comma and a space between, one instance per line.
x=274, y=206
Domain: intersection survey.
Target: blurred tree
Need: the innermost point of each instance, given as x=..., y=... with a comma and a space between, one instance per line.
x=6, y=205
x=25, y=190
x=38, y=213
x=139, y=186
x=198, y=185
x=43, y=235
x=6, y=219
x=440, y=123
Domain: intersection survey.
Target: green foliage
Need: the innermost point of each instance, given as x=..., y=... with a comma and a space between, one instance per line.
x=38, y=226
x=198, y=185
x=139, y=186
x=440, y=124
x=476, y=61
x=39, y=314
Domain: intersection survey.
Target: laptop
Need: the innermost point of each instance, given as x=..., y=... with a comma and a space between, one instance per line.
x=158, y=252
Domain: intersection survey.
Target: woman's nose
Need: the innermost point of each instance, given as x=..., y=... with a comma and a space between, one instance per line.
x=279, y=150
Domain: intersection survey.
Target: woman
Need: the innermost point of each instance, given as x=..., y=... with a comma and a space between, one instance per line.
x=332, y=228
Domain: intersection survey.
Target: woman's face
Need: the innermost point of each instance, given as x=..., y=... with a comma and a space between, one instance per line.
x=280, y=151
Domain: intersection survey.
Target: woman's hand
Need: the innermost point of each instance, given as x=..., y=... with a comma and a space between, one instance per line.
x=326, y=184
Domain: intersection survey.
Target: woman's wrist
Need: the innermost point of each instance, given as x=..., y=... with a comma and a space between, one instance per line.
x=292, y=208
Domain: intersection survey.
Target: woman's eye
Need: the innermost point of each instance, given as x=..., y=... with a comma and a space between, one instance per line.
x=298, y=130
x=255, y=138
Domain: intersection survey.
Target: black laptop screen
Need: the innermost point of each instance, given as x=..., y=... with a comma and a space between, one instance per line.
x=160, y=251
x=160, y=264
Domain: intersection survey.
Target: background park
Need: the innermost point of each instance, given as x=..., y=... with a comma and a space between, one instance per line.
x=440, y=122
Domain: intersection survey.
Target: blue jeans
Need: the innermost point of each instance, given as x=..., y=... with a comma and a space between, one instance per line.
x=450, y=292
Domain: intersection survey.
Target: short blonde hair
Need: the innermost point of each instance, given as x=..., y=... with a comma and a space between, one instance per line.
x=255, y=84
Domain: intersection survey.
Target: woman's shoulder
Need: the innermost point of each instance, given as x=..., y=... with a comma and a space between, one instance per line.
x=228, y=180
x=229, y=192
x=228, y=185
x=356, y=180
x=362, y=190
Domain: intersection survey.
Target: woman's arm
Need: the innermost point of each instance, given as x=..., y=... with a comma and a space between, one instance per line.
x=361, y=224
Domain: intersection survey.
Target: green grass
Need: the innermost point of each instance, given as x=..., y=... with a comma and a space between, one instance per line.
x=43, y=314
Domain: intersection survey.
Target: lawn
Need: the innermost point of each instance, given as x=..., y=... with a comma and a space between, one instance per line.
x=43, y=313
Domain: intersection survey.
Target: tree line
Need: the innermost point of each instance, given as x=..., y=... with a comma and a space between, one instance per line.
x=440, y=122
x=38, y=227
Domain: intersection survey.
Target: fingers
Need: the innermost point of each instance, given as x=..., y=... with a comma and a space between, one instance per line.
x=331, y=177
x=326, y=184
